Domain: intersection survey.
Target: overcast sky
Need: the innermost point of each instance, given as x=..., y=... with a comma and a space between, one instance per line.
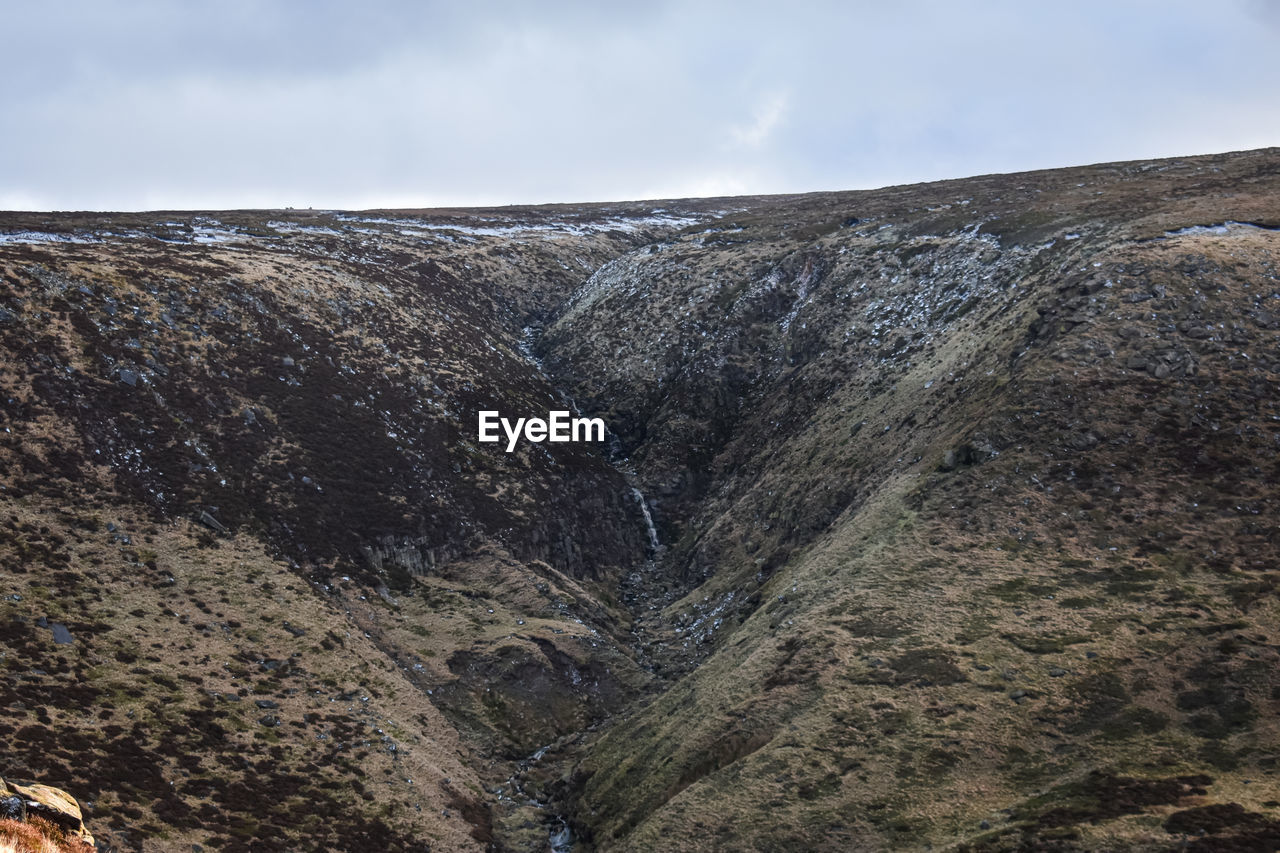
x=144, y=105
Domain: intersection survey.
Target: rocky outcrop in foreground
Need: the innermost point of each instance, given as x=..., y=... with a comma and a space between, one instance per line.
x=40, y=819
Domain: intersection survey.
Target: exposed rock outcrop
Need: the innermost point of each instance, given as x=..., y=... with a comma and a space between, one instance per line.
x=40, y=819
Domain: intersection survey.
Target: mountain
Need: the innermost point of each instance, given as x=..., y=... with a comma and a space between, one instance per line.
x=939, y=516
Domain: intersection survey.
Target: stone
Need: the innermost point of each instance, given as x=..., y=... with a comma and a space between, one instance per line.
x=209, y=521
x=1084, y=441
x=53, y=804
x=61, y=635
x=13, y=808
x=267, y=704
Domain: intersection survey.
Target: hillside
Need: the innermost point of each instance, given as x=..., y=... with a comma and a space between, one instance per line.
x=965, y=495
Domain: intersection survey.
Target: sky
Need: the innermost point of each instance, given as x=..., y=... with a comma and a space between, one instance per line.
x=260, y=104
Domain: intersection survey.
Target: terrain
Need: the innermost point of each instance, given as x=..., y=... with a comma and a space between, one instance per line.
x=933, y=517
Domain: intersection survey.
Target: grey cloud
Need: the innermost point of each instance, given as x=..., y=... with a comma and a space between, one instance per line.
x=137, y=105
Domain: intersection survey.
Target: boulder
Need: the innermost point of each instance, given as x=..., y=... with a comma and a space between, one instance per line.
x=57, y=807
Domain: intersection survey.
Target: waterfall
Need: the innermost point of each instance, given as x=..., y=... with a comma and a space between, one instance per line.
x=561, y=838
x=654, y=544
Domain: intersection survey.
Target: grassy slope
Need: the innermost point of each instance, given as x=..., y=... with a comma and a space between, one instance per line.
x=871, y=642
x=306, y=380
x=910, y=644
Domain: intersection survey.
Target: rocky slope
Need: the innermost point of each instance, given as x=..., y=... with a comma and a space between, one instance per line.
x=971, y=486
x=965, y=496
x=259, y=573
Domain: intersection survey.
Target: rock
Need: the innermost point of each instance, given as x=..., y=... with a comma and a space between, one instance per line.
x=269, y=720
x=53, y=804
x=1057, y=673
x=1084, y=441
x=267, y=704
x=1136, y=361
x=128, y=377
x=1160, y=370
x=61, y=635
x=986, y=824
x=13, y=808
x=964, y=454
x=209, y=521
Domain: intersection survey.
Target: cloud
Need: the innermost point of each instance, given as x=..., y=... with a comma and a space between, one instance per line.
x=765, y=117
x=155, y=104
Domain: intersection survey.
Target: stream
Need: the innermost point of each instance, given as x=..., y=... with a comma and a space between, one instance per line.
x=559, y=836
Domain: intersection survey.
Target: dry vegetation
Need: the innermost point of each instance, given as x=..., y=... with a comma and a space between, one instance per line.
x=967, y=492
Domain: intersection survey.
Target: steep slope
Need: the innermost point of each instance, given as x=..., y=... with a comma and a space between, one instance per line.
x=965, y=494
x=234, y=448
x=971, y=490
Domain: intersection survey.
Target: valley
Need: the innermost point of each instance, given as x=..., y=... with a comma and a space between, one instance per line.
x=931, y=517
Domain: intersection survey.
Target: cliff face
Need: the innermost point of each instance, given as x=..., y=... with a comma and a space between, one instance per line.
x=965, y=494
